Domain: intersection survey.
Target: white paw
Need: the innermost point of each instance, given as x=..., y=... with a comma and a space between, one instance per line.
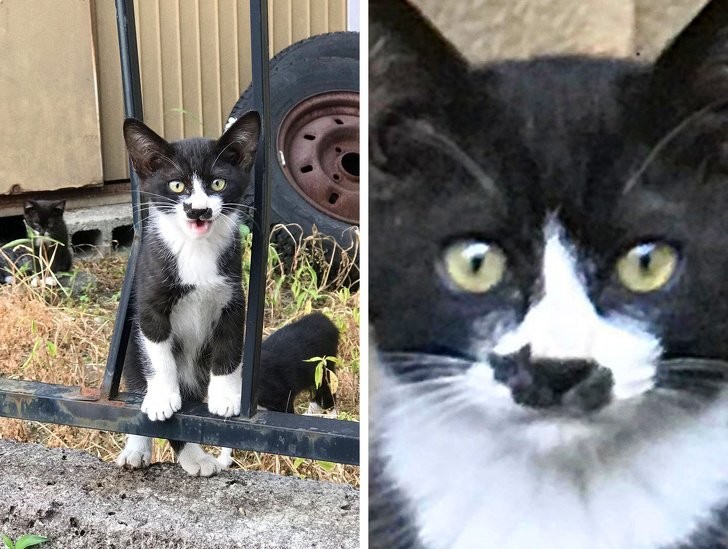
x=161, y=402
x=137, y=453
x=197, y=462
x=223, y=394
x=226, y=457
x=50, y=281
x=34, y=282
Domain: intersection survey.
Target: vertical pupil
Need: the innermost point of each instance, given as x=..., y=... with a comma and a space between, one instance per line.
x=645, y=259
x=476, y=262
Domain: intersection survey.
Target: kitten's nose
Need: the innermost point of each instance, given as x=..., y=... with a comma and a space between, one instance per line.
x=542, y=383
x=197, y=213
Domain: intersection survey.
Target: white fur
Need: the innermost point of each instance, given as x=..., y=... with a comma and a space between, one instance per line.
x=513, y=478
x=230, y=122
x=163, y=397
x=226, y=457
x=137, y=453
x=197, y=462
x=196, y=256
x=565, y=325
x=223, y=394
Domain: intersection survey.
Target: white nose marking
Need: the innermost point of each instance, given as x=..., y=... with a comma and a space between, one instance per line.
x=198, y=198
x=564, y=325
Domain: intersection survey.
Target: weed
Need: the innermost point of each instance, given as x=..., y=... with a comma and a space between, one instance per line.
x=28, y=540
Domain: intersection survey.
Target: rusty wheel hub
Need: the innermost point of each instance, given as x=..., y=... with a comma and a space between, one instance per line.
x=318, y=150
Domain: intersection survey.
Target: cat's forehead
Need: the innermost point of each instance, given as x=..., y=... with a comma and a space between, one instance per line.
x=194, y=155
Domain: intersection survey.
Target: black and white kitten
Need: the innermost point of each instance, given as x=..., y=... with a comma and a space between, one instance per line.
x=548, y=293
x=50, y=246
x=286, y=372
x=187, y=336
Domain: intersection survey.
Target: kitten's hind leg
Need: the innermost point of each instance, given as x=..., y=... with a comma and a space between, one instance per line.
x=137, y=453
x=195, y=460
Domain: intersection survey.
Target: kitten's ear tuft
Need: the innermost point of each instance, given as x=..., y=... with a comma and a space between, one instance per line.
x=408, y=58
x=692, y=72
x=239, y=143
x=59, y=206
x=147, y=150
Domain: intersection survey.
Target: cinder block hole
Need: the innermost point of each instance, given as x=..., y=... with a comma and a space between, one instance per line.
x=86, y=241
x=12, y=228
x=122, y=237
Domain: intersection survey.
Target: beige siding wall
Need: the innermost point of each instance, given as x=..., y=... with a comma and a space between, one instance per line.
x=195, y=62
x=60, y=80
x=492, y=29
x=49, y=120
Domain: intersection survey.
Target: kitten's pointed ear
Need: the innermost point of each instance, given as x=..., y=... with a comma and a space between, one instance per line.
x=29, y=206
x=408, y=57
x=59, y=206
x=147, y=150
x=692, y=72
x=239, y=143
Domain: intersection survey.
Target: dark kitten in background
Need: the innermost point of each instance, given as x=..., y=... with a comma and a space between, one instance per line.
x=548, y=294
x=50, y=246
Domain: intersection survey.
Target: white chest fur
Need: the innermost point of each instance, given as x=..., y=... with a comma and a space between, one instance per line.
x=471, y=487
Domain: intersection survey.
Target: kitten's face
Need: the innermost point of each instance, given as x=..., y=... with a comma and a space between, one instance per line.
x=545, y=245
x=44, y=216
x=198, y=183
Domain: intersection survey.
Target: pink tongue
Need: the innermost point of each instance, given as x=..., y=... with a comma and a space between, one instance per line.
x=199, y=226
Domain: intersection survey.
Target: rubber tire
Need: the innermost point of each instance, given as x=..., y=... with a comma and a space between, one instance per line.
x=296, y=73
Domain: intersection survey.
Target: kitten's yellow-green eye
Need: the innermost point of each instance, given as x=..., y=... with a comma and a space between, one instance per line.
x=647, y=267
x=176, y=186
x=474, y=266
x=217, y=185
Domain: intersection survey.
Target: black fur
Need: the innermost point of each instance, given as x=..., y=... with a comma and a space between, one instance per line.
x=45, y=219
x=623, y=151
x=284, y=372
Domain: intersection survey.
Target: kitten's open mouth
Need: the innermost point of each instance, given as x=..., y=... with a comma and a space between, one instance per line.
x=199, y=226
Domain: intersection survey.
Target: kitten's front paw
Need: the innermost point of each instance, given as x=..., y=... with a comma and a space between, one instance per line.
x=136, y=454
x=223, y=394
x=226, y=457
x=197, y=462
x=160, y=404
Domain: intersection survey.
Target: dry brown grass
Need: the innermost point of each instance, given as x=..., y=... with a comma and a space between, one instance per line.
x=48, y=336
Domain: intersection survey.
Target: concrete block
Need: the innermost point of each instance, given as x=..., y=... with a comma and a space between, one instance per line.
x=78, y=502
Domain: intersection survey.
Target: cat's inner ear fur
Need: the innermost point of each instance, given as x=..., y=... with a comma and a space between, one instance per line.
x=147, y=150
x=692, y=72
x=240, y=142
x=59, y=207
x=408, y=57
x=29, y=206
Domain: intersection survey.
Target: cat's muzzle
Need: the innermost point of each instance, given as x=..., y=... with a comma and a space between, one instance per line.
x=195, y=214
x=574, y=385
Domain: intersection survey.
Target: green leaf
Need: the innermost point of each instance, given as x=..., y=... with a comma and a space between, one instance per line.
x=8, y=542
x=52, y=349
x=244, y=231
x=326, y=465
x=29, y=540
x=297, y=463
x=318, y=375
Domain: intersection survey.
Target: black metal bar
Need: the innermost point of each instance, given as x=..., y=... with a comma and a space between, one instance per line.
x=122, y=328
x=272, y=432
x=131, y=83
x=261, y=177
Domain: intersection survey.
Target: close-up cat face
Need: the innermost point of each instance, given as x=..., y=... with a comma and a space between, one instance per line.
x=548, y=287
x=196, y=185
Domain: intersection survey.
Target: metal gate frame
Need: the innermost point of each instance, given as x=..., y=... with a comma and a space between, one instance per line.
x=108, y=409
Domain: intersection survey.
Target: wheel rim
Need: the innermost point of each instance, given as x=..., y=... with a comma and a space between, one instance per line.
x=318, y=151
